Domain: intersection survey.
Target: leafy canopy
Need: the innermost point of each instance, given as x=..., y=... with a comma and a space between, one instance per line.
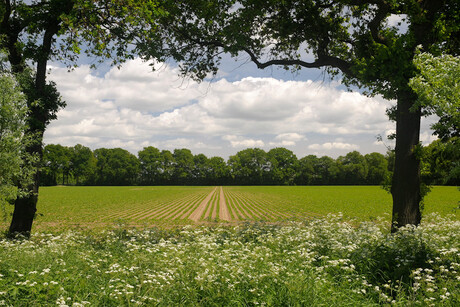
x=13, y=140
x=438, y=89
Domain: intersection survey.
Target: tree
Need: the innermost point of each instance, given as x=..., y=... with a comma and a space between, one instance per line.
x=249, y=167
x=183, y=166
x=438, y=89
x=167, y=167
x=29, y=32
x=13, y=140
x=353, y=168
x=83, y=164
x=57, y=164
x=201, y=169
x=306, y=174
x=441, y=161
x=378, y=168
x=219, y=171
x=354, y=38
x=116, y=166
x=284, y=165
x=150, y=164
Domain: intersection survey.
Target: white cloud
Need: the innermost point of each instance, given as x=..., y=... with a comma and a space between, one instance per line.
x=134, y=107
x=287, y=140
x=236, y=141
x=135, y=86
x=334, y=145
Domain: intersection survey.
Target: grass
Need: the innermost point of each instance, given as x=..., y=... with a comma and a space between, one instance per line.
x=321, y=262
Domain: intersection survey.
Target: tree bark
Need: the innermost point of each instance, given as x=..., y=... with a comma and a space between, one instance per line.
x=25, y=207
x=406, y=178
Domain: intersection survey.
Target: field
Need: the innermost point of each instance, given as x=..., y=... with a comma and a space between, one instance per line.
x=99, y=207
x=293, y=252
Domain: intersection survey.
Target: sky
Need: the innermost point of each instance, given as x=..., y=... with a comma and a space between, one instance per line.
x=242, y=107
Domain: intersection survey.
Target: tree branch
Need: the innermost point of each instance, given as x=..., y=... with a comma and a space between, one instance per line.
x=323, y=58
x=374, y=24
x=322, y=61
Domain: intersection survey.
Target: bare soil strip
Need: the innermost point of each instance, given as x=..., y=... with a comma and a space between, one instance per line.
x=224, y=213
x=182, y=207
x=242, y=212
x=196, y=215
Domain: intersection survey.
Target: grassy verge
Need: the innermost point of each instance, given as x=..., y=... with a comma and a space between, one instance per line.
x=320, y=262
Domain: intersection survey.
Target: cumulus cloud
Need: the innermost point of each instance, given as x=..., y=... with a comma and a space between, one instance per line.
x=287, y=140
x=334, y=145
x=135, y=86
x=236, y=142
x=134, y=107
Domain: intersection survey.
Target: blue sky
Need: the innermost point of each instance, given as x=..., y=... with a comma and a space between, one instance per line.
x=243, y=107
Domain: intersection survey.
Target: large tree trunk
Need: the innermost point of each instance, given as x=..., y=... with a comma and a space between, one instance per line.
x=25, y=207
x=406, y=178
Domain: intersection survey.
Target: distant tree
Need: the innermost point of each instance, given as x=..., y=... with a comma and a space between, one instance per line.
x=353, y=168
x=151, y=166
x=378, y=168
x=57, y=164
x=83, y=164
x=183, y=166
x=201, y=170
x=307, y=173
x=284, y=164
x=219, y=171
x=116, y=167
x=167, y=167
x=250, y=167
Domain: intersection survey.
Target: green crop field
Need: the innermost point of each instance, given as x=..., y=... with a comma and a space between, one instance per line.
x=99, y=207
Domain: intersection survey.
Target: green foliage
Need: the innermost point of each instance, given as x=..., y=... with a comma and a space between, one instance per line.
x=183, y=166
x=438, y=89
x=441, y=163
x=116, y=167
x=13, y=140
x=249, y=166
x=284, y=166
x=78, y=165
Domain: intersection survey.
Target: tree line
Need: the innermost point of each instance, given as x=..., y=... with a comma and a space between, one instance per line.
x=79, y=165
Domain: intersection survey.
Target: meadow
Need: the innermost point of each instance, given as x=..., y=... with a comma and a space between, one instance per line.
x=232, y=246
